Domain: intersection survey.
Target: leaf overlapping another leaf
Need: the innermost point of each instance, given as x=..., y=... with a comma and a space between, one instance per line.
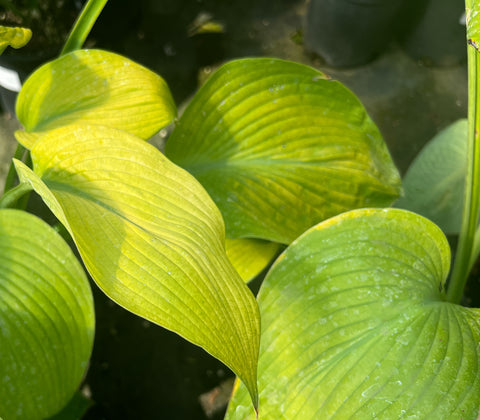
x=46, y=319
x=250, y=256
x=150, y=236
x=280, y=148
x=355, y=325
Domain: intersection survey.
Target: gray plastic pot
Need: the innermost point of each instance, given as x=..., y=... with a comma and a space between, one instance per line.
x=437, y=34
x=347, y=33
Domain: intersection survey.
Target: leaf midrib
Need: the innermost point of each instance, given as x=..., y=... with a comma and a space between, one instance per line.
x=202, y=167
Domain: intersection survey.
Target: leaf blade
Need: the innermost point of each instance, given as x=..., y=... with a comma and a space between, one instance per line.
x=150, y=237
x=434, y=183
x=93, y=87
x=280, y=148
x=355, y=325
x=47, y=318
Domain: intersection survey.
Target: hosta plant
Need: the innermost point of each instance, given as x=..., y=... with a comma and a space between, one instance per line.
x=354, y=319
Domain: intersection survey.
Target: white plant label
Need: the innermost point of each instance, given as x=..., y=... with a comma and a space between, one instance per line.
x=10, y=80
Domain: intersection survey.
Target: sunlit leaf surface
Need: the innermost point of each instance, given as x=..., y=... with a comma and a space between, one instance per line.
x=150, y=236
x=14, y=37
x=472, y=8
x=46, y=319
x=280, y=148
x=355, y=326
x=250, y=256
x=435, y=182
x=93, y=87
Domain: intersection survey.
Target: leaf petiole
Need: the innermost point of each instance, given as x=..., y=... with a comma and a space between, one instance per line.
x=9, y=199
x=83, y=25
x=467, y=242
x=10, y=179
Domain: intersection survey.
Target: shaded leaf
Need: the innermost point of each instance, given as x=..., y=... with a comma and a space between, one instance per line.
x=355, y=325
x=150, y=236
x=435, y=182
x=250, y=256
x=280, y=148
x=46, y=319
x=93, y=87
x=76, y=408
x=14, y=37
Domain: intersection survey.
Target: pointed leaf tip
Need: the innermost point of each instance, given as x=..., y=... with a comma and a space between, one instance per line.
x=151, y=238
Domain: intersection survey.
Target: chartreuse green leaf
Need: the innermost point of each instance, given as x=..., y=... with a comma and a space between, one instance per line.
x=46, y=319
x=355, y=326
x=279, y=148
x=93, y=87
x=150, y=236
x=14, y=37
x=435, y=182
x=250, y=256
x=472, y=8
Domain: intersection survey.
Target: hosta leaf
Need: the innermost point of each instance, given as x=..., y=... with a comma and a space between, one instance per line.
x=435, y=182
x=46, y=319
x=250, y=256
x=280, y=148
x=355, y=326
x=150, y=236
x=93, y=87
x=15, y=37
x=76, y=408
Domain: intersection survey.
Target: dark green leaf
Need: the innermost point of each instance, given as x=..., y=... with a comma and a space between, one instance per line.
x=435, y=182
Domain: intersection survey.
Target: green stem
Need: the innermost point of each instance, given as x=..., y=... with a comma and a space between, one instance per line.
x=11, y=197
x=471, y=205
x=83, y=25
x=10, y=179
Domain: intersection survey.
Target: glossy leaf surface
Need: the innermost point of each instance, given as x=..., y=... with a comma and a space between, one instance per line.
x=250, y=256
x=46, y=319
x=14, y=37
x=93, y=87
x=435, y=182
x=150, y=236
x=280, y=148
x=355, y=325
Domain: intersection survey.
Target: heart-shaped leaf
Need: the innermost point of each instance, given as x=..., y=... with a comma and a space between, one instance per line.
x=93, y=87
x=355, y=326
x=280, y=148
x=435, y=182
x=250, y=256
x=15, y=37
x=150, y=236
x=46, y=319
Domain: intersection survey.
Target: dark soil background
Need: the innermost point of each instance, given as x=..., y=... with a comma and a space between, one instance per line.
x=139, y=370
